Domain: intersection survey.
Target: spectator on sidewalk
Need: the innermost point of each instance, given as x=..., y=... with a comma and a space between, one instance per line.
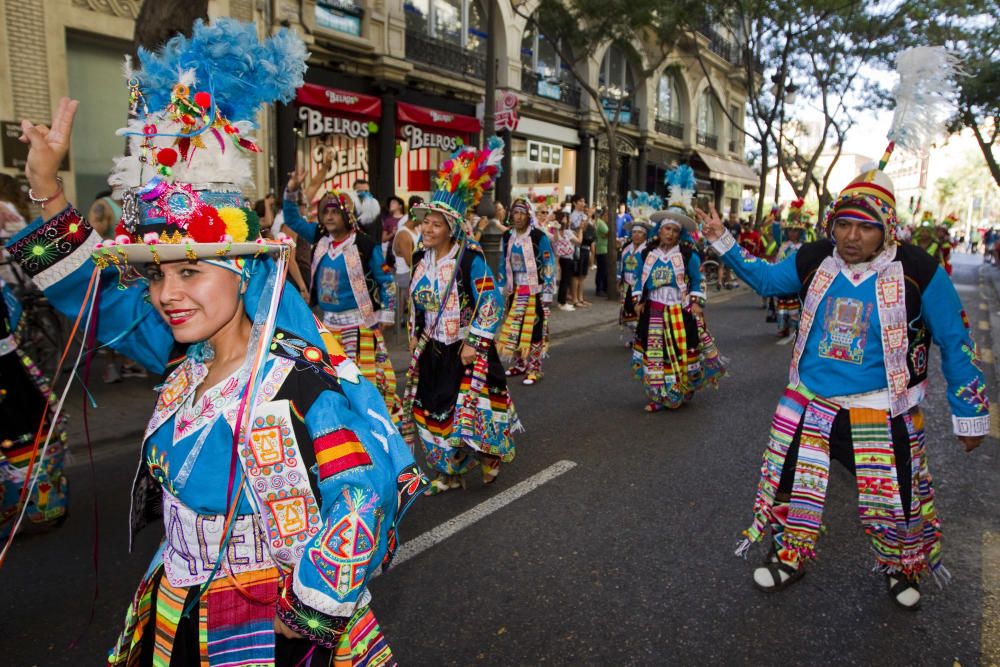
x=601, y=253
x=622, y=223
x=404, y=244
x=566, y=244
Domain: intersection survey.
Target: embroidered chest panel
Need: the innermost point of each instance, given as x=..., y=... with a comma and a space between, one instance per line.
x=845, y=330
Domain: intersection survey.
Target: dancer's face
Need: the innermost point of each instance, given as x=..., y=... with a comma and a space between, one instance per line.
x=857, y=241
x=638, y=235
x=669, y=235
x=334, y=221
x=435, y=232
x=521, y=219
x=196, y=299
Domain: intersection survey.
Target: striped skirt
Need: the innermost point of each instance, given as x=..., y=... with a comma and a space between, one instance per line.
x=366, y=348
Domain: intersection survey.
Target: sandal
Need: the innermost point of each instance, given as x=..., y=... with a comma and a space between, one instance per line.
x=443, y=483
x=654, y=407
x=513, y=371
x=904, y=592
x=490, y=469
x=774, y=569
x=530, y=379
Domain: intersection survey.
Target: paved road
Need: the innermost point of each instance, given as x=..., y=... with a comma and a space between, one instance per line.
x=623, y=558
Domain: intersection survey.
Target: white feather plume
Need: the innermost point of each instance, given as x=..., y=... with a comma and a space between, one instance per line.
x=209, y=165
x=127, y=71
x=924, y=95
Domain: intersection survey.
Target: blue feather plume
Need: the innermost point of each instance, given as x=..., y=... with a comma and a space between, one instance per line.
x=681, y=177
x=229, y=61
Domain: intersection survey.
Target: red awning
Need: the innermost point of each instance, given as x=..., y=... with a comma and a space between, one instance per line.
x=342, y=101
x=432, y=118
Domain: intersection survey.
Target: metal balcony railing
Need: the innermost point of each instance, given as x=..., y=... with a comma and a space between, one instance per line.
x=670, y=128
x=708, y=140
x=425, y=49
x=562, y=91
x=732, y=146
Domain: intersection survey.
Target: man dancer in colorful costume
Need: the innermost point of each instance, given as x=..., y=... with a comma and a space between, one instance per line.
x=350, y=283
x=871, y=308
x=278, y=471
x=788, y=306
x=528, y=279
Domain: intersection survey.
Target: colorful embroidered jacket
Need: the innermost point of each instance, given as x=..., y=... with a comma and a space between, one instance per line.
x=346, y=277
x=474, y=305
x=326, y=476
x=631, y=254
x=671, y=277
x=537, y=271
x=875, y=325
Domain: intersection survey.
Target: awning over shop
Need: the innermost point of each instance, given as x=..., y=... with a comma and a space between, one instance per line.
x=332, y=99
x=441, y=120
x=722, y=169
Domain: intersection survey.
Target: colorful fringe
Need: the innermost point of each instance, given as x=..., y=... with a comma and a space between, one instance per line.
x=233, y=631
x=900, y=545
x=518, y=326
x=787, y=312
x=670, y=369
x=366, y=347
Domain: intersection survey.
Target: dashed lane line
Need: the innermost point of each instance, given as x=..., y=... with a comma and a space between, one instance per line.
x=435, y=536
x=983, y=325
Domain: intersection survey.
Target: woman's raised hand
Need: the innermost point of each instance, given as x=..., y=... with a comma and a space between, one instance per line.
x=48, y=147
x=711, y=224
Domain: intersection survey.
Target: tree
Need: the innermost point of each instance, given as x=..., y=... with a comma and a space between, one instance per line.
x=159, y=21
x=574, y=28
x=820, y=49
x=969, y=30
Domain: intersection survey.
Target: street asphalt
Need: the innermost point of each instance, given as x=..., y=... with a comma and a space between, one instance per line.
x=625, y=558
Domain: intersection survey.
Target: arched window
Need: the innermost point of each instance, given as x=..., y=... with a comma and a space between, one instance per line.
x=617, y=84
x=458, y=22
x=708, y=134
x=668, y=106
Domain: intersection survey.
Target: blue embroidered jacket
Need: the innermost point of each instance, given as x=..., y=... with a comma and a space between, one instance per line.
x=322, y=466
x=844, y=352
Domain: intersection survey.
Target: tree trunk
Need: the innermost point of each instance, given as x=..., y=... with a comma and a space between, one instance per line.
x=610, y=259
x=763, y=180
x=159, y=21
x=987, y=149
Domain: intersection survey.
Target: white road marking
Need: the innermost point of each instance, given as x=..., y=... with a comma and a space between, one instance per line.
x=421, y=543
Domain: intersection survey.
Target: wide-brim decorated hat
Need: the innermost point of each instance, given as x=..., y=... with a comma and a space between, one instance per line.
x=676, y=216
x=638, y=223
x=192, y=104
x=461, y=182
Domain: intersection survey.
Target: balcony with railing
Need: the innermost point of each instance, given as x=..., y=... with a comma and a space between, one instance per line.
x=719, y=45
x=534, y=83
x=670, y=128
x=733, y=146
x=708, y=140
x=423, y=48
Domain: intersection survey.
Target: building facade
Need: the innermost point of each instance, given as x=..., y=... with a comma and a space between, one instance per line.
x=395, y=85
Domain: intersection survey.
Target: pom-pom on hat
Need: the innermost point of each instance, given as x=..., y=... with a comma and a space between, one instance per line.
x=798, y=216
x=461, y=182
x=192, y=103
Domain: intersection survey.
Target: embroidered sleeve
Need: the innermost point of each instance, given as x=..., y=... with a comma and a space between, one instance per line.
x=764, y=278
x=637, y=284
x=501, y=277
x=293, y=218
x=56, y=256
x=386, y=286
x=488, y=300
x=696, y=281
x=352, y=456
x=547, y=268
x=949, y=327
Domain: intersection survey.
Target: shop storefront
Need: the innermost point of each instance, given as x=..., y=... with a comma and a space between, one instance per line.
x=728, y=179
x=425, y=138
x=543, y=161
x=339, y=128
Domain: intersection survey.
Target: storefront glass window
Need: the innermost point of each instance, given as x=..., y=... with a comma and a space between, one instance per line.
x=543, y=172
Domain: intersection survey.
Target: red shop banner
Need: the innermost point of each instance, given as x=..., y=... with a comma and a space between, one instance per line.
x=421, y=127
x=325, y=110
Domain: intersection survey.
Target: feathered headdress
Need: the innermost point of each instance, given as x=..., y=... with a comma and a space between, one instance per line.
x=462, y=180
x=192, y=103
x=681, y=185
x=643, y=204
x=923, y=95
x=798, y=217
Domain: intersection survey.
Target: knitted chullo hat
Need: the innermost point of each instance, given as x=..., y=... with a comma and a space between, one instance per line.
x=798, y=216
x=461, y=182
x=923, y=95
x=192, y=104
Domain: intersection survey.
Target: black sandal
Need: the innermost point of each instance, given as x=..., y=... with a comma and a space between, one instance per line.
x=775, y=569
x=901, y=586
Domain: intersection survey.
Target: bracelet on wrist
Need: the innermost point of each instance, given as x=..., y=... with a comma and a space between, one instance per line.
x=45, y=200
